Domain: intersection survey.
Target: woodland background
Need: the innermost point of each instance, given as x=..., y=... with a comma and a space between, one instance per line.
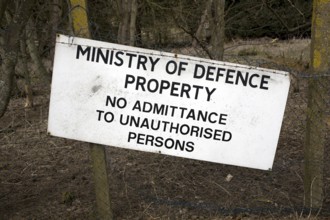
x=44, y=177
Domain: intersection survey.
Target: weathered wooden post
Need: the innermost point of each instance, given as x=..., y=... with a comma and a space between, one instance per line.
x=315, y=136
x=98, y=156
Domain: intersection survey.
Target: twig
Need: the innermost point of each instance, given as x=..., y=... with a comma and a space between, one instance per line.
x=223, y=188
x=282, y=22
x=195, y=38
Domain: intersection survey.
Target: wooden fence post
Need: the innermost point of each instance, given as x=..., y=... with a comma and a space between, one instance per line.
x=98, y=156
x=315, y=130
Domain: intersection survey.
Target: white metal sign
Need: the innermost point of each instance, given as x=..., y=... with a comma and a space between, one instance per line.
x=166, y=103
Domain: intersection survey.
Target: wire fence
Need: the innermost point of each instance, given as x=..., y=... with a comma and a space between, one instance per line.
x=44, y=176
x=35, y=165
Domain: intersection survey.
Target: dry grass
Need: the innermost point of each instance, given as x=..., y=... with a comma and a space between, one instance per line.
x=293, y=49
x=43, y=177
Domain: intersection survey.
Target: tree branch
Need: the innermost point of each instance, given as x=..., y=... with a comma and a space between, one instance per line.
x=200, y=43
x=282, y=21
x=193, y=36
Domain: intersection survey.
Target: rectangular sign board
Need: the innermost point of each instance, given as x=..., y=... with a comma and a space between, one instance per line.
x=166, y=103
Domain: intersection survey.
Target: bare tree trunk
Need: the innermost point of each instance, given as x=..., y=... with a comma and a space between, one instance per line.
x=127, y=26
x=55, y=16
x=132, y=28
x=3, y=6
x=126, y=22
x=123, y=33
x=156, y=36
x=212, y=25
x=218, y=30
x=11, y=48
x=138, y=34
x=31, y=38
x=6, y=80
x=201, y=30
x=25, y=73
